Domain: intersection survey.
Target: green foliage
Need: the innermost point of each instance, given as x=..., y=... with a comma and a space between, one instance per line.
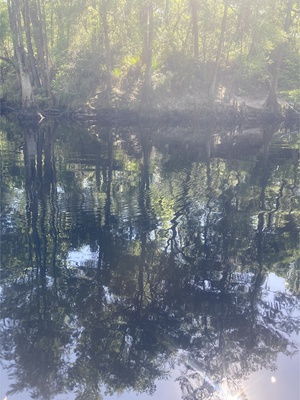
x=79, y=78
x=4, y=23
x=84, y=52
x=291, y=96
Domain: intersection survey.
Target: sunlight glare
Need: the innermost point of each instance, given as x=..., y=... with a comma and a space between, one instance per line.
x=227, y=393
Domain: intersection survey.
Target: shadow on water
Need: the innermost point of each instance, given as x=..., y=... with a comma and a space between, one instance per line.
x=128, y=251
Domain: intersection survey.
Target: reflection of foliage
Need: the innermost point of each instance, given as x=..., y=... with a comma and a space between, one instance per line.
x=176, y=260
x=293, y=277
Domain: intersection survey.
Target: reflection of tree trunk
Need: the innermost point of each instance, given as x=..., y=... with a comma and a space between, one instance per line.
x=208, y=143
x=184, y=198
x=104, y=235
x=142, y=261
x=51, y=186
x=209, y=208
x=209, y=192
x=40, y=185
x=108, y=178
x=226, y=224
x=212, y=88
x=144, y=198
x=43, y=191
x=33, y=186
x=268, y=133
x=271, y=102
x=30, y=150
x=145, y=209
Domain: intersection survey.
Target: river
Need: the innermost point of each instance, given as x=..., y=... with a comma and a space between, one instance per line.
x=149, y=262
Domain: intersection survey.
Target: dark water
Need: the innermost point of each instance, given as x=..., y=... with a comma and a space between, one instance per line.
x=140, y=262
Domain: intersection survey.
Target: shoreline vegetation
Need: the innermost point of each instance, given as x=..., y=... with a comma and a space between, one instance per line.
x=239, y=112
x=175, y=61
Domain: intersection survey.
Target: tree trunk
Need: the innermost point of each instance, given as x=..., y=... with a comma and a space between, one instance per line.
x=147, y=55
x=107, y=49
x=41, y=41
x=212, y=87
x=26, y=87
x=194, y=15
x=31, y=58
x=21, y=57
x=271, y=102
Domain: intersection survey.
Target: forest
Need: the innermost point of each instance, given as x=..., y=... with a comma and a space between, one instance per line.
x=148, y=54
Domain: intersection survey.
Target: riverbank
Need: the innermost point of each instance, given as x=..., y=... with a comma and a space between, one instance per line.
x=186, y=108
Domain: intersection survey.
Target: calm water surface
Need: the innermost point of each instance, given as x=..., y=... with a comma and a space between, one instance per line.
x=144, y=262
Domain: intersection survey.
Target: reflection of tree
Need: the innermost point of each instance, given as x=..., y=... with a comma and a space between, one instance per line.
x=36, y=324
x=181, y=256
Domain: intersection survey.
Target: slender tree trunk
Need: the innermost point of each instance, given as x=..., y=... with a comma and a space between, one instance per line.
x=40, y=37
x=195, y=29
x=107, y=49
x=14, y=10
x=148, y=30
x=212, y=88
x=271, y=102
x=31, y=58
x=44, y=46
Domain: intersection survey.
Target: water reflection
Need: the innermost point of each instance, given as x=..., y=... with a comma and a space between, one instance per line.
x=128, y=251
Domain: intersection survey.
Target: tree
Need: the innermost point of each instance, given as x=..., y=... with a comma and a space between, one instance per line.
x=271, y=102
x=212, y=87
x=104, y=18
x=78, y=52
x=22, y=59
x=37, y=14
x=147, y=27
x=194, y=15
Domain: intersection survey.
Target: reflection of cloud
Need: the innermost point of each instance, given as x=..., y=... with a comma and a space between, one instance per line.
x=82, y=257
x=261, y=385
x=275, y=283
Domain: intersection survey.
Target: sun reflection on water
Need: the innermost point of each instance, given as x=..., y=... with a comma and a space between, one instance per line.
x=228, y=393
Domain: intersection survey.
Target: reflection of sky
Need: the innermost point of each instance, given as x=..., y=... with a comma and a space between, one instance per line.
x=281, y=384
x=275, y=284
x=262, y=385
x=165, y=390
x=284, y=383
x=81, y=256
x=276, y=385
